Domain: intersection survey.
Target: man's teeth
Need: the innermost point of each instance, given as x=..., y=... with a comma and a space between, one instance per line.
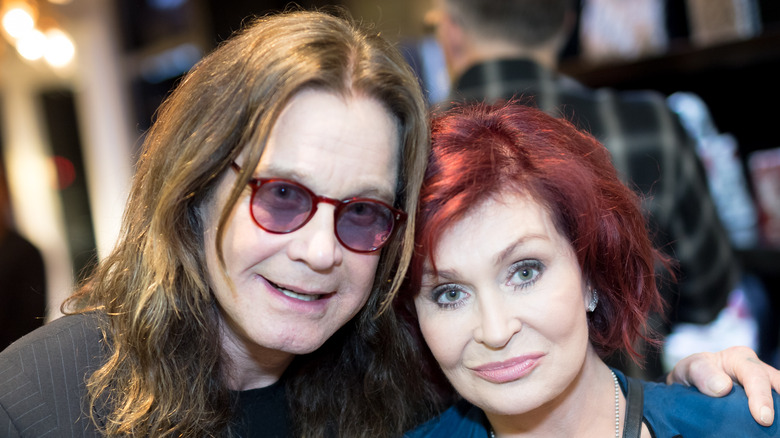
x=297, y=296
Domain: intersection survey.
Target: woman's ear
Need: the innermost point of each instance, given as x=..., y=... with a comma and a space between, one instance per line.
x=593, y=301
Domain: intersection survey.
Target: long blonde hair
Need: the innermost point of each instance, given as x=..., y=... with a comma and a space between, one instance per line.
x=161, y=324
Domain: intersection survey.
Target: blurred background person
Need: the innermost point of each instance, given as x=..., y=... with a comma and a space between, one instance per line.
x=22, y=278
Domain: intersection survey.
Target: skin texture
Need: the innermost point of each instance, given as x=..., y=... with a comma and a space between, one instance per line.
x=507, y=321
x=339, y=147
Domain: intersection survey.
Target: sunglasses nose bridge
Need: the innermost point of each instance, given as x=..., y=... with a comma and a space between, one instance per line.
x=324, y=199
x=317, y=200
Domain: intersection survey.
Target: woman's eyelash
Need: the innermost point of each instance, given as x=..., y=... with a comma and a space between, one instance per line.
x=438, y=296
x=525, y=273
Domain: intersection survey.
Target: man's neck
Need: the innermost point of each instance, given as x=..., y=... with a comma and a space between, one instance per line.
x=479, y=54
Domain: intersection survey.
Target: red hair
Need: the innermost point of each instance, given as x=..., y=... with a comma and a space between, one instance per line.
x=483, y=150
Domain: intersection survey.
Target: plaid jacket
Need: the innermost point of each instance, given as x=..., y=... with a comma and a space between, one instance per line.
x=653, y=155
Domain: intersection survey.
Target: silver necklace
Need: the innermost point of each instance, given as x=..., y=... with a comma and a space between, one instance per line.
x=617, y=404
x=617, y=408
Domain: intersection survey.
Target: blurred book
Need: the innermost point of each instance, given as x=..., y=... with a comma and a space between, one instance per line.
x=614, y=30
x=717, y=21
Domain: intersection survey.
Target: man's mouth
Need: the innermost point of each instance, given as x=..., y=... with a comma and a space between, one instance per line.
x=296, y=295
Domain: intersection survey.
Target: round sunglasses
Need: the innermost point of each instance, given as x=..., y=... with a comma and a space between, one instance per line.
x=362, y=225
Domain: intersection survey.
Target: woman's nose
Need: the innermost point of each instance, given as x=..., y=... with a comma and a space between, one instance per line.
x=497, y=323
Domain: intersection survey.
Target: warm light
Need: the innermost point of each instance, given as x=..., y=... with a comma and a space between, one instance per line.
x=17, y=22
x=59, y=48
x=20, y=22
x=32, y=45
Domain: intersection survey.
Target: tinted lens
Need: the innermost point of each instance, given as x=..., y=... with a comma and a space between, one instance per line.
x=364, y=225
x=279, y=206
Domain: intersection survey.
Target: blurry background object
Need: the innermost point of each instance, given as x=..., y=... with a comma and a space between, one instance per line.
x=717, y=21
x=736, y=325
x=65, y=122
x=22, y=278
x=727, y=182
x=622, y=30
x=34, y=32
x=748, y=319
x=765, y=172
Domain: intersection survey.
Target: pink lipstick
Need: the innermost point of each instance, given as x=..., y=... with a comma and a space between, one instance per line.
x=508, y=370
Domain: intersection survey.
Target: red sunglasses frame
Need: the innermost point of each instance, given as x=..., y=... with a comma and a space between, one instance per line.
x=399, y=217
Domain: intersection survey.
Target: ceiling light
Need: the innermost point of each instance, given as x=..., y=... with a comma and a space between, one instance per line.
x=18, y=21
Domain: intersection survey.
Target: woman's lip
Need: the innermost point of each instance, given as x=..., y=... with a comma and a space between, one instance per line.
x=508, y=370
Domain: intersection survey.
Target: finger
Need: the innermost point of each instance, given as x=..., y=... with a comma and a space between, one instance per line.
x=774, y=375
x=760, y=399
x=705, y=372
x=757, y=378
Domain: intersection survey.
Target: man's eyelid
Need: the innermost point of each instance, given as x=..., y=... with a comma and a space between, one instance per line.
x=372, y=193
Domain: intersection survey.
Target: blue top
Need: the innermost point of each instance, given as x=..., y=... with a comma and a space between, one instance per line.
x=669, y=411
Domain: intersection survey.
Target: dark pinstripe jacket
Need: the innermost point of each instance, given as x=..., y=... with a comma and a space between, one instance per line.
x=42, y=379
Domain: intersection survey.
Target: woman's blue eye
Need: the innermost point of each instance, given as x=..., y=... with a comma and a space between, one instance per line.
x=448, y=296
x=525, y=273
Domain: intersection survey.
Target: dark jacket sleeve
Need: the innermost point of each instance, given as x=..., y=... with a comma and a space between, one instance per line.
x=42, y=379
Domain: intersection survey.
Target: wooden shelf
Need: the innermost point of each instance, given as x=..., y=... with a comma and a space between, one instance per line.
x=682, y=58
x=737, y=80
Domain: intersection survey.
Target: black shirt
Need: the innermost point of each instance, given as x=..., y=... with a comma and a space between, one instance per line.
x=263, y=412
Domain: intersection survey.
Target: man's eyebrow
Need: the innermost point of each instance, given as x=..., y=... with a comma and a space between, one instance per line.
x=386, y=194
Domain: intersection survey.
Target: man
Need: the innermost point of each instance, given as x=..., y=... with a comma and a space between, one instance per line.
x=500, y=50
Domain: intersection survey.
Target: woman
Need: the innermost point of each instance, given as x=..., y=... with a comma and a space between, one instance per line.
x=534, y=265
x=264, y=235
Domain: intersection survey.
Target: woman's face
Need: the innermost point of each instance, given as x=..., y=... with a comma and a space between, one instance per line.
x=291, y=292
x=506, y=315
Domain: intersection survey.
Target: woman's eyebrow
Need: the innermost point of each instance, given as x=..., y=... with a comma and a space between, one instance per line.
x=444, y=274
x=512, y=247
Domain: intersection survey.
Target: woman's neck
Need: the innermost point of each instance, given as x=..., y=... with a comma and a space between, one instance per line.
x=585, y=409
